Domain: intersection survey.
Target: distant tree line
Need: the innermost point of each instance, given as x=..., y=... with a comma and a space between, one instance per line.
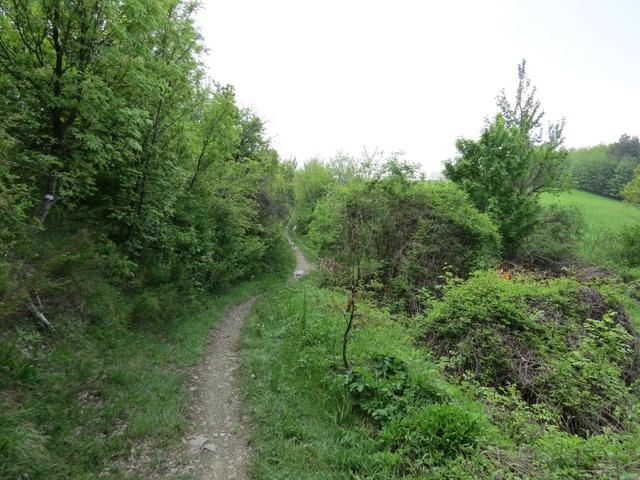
x=605, y=169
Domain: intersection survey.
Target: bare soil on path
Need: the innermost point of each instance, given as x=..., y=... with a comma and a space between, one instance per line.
x=218, y=436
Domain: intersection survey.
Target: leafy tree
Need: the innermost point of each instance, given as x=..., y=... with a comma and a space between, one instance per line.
x=626, y=146
x=592, y=168
x=512, y=163
x=105, y=113
x=631, y=191
x=309, y=185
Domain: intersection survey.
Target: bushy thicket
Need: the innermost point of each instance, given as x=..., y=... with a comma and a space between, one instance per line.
x=402, y=234
x=554, y=242
x=560, y=343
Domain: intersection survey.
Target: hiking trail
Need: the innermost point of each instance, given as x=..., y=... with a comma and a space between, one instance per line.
x=218, y=435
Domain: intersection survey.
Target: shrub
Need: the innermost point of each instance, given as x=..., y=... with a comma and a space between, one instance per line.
x=555, y=239
x=628, y=245
x=559, y=342
x=429, y=435
x=385, y=389
x=403, y=234
x=146, y=308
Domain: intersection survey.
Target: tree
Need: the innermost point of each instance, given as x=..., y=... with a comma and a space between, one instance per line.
x=512, y=163
x=309, y=185
x=626, y=146
x=109, y=129
x=631, y=192
x=51, y=60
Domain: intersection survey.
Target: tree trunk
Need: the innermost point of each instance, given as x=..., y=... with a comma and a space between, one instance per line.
x=48, y=198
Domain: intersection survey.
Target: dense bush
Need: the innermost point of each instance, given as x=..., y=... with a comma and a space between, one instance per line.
x=556, y=238
x=560, y=343
x=385, y=390
x=628, y=246
x=403, y=234
x=310, y=184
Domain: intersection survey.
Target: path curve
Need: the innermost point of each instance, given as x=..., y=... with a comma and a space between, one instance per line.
x=303, y=266
x=218, y=434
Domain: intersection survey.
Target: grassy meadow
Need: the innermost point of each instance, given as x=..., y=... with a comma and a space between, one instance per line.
x=604, y=218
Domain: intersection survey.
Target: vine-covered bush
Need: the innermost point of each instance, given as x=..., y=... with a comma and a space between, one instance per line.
x=403, y=234
x=561, y=343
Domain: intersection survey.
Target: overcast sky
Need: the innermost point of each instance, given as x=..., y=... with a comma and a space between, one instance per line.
x=332, y=76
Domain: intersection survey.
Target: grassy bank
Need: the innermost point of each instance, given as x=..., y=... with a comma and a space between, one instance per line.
x=305, y=424
x=604, y=218
x=75, y=403
x=312, y=421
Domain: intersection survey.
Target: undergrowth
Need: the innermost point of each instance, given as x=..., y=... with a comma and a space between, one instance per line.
x=106, y=384
x=394, y=413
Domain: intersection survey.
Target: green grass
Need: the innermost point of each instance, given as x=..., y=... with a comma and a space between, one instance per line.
x=599, y=211
x=604, y=217
x=77, y=401
x=307, y=425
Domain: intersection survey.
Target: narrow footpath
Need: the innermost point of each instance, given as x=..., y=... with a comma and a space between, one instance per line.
x=218, y=434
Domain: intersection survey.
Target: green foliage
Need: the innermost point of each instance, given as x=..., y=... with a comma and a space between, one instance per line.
x=308, y=425
x=309, y=185
x=631, y=192
x=605, y=169
x=505, y=170
x=560, y=343
x=404, y=234
x=592, y=168
x=604, y=219
x=556, y=238
x=628, y=245
x=129, y=143
x=432, y=434
x=130, y=189
x=74, y=403
x=385, y=390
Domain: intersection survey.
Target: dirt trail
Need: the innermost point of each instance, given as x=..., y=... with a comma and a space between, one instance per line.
x=302, y=264
x=218, y=435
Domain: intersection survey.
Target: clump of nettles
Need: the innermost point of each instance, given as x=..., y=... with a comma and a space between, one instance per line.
x=418, y=424
x=561, y=343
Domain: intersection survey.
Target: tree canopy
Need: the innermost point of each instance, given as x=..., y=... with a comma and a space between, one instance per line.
x=511, y=164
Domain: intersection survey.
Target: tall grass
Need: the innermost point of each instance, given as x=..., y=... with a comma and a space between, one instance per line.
x=604, y=218
x=76, y=403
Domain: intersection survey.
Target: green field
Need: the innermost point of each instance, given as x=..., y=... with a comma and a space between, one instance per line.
x=603, y=216
x=599, y=211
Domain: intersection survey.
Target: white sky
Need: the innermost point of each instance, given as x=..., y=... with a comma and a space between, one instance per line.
x=405, y=75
